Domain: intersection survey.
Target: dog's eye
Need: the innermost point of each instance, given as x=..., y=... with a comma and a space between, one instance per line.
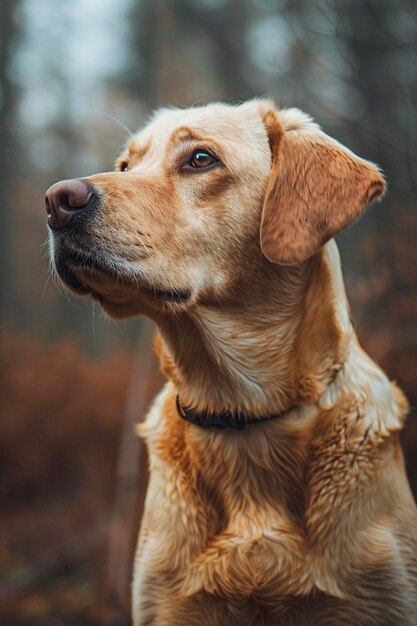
x=124, y=166
x=201, y=159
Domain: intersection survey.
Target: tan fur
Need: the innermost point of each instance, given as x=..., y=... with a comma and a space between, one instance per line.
x=302, y=520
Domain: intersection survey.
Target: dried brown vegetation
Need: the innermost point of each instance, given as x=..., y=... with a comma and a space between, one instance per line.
x=59, y=436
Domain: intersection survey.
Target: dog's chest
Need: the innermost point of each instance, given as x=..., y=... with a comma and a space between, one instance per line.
x=254, y=532
x=237, y=509
x=263, y=549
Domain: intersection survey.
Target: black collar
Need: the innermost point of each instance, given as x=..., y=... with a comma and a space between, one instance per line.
x=236, y=420
x=224, y=419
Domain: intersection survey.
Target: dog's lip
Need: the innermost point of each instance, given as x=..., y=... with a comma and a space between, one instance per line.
x=77, y=276
x=69, y=277
x=87, y=278
x=177, y=296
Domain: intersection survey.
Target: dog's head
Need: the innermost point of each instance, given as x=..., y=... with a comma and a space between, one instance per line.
x=199, y=199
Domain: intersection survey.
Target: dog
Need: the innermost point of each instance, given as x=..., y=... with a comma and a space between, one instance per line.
x=277, y=491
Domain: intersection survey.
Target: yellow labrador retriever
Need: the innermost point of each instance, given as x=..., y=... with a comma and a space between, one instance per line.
x=277, y=491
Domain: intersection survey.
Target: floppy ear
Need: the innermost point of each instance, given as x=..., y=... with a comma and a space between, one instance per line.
x=316, y=187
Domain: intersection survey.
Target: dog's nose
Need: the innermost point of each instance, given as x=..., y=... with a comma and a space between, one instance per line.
x=64, y=199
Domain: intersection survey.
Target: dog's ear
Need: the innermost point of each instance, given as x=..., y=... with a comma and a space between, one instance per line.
x=316, y=187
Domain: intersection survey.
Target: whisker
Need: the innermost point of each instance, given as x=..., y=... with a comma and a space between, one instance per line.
x=48, y=279
x=118, y=122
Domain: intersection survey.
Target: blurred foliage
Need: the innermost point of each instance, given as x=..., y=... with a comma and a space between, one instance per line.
x=75, y=78
x=59, y=440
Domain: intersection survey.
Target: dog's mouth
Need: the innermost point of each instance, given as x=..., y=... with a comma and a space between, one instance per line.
x=86, y=275
x=83, y=277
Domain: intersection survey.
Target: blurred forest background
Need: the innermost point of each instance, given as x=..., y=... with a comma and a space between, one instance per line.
x=74, y=76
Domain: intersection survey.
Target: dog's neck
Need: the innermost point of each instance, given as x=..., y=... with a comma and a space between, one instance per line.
x=278, y=345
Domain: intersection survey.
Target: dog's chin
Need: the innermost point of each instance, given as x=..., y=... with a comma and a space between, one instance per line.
x=121, y=296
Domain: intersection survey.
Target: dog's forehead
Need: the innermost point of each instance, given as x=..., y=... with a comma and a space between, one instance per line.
x=225, y=123
x=215, y=117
